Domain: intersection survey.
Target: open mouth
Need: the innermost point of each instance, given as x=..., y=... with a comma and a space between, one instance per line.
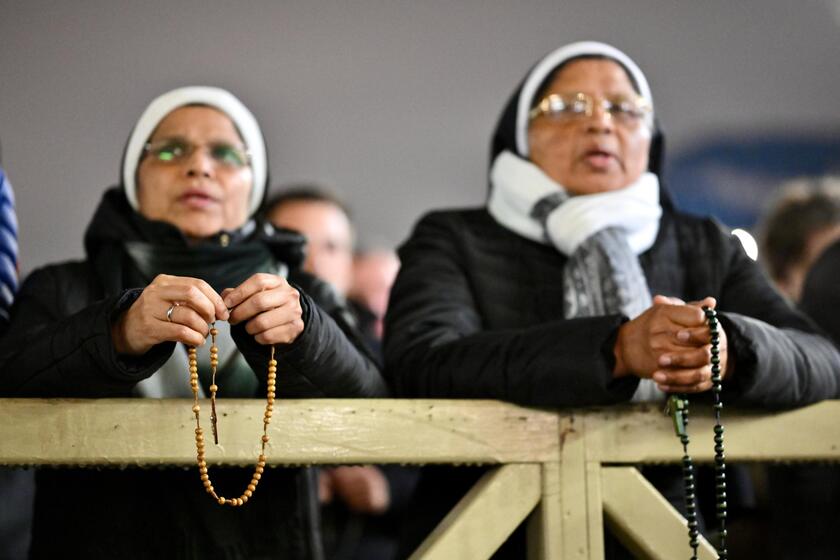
x=599, y=158
x=197, y=199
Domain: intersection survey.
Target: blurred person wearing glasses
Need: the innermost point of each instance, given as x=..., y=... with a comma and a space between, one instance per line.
x=364, y=505
x=171, y=250
x=579, y=282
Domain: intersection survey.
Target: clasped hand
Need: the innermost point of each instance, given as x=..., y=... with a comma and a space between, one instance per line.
x=670, y=343
x=267, y=304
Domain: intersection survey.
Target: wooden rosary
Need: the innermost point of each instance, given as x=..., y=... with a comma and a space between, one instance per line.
x=199, y=433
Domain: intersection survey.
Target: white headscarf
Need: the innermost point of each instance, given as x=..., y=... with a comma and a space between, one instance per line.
x=217, y=98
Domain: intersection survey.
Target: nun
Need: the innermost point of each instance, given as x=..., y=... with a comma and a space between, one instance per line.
x=169, y=251
x=579, y=282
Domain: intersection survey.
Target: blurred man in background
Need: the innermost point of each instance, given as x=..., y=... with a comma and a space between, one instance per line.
x=364, y=505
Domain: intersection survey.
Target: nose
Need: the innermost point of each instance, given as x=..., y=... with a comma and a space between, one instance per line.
x=600, y=120
x=199, y=163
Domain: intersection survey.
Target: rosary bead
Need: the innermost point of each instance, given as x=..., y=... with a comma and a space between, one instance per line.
x=249, y=492
x=214, y=388
x=196, y=408
x=257, y=476
x=222, y=501
x=251, y=488
x=265, y=439
x=272, y=363
x=214, y=331
x=259, y=469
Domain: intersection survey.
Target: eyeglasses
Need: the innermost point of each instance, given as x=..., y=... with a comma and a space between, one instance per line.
x=176, y=150
x=627, y=111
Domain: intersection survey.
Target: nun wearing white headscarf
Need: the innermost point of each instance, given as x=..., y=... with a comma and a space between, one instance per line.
x=569, y=286
x=173, y=248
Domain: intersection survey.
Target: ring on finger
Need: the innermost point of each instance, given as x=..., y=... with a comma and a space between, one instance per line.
x=170, y=310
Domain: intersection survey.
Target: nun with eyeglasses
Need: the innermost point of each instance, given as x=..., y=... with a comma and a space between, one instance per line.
x=170, y=251
x=579, y=282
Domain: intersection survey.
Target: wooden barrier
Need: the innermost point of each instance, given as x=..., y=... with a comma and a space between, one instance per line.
x=565, y=471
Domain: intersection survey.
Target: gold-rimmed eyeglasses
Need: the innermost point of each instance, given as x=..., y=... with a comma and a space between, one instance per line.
x=628, y=111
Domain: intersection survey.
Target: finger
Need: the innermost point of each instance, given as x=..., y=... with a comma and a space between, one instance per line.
x=698, y=336
x=692, y=380
x=276, y=317
x=691, y=357
x=261, y=302
x=185, y=315
x=219, y=308
x=667, y=300
x=283, y=334
x=188, y=294
x=177, y=332
x=709, y=302
x=684, y=315
x=256, y=283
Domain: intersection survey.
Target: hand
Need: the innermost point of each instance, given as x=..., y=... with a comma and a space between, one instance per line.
x=145, y=324
x=670, y=343
x=270, y=306
x=362, y=489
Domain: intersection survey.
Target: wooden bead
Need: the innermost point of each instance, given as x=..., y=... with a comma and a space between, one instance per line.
x=222, y=501
x=257, y=476
x=214, y=388
x=205, y=477
x=265, y=439
x=272, y=363
x=259, y=469
x=249, y=492
x=252, y=487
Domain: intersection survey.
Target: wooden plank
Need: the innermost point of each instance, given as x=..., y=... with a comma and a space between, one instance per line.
x=643, y=434
x=573, y=494
x=594, y=510
x=486, y=516
x=161, y=432
x=545, y=539
x=643, y=520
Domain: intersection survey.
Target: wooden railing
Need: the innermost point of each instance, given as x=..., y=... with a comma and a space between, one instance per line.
x=566, y=471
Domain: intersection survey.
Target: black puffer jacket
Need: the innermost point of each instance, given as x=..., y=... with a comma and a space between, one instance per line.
x=477, y=312
x=59, y=345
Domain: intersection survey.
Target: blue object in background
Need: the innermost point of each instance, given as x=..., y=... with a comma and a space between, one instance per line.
x=8, y=248
x=733, y=177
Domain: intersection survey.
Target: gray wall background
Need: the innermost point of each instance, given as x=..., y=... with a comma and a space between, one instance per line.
x=389, y=102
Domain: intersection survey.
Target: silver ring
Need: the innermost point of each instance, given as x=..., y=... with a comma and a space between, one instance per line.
x=170, y=310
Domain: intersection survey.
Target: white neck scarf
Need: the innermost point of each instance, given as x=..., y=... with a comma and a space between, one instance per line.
x=518, y=185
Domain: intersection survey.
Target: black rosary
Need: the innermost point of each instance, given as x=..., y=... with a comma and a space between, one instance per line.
x=678, y=409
